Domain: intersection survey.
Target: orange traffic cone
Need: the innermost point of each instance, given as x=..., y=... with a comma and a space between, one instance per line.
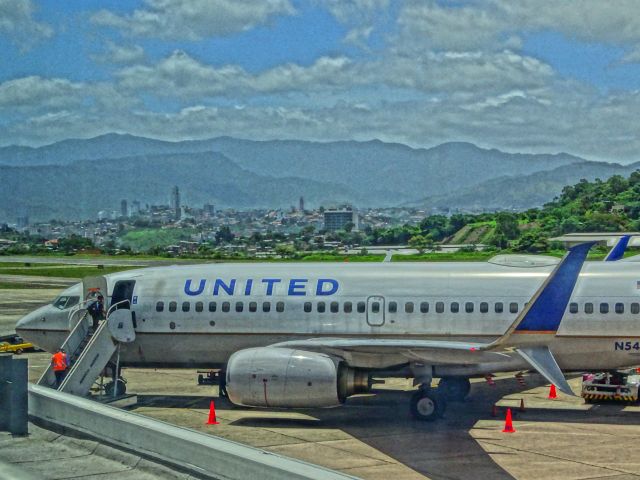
x=508, y=423
x=212, y=414
x=552, y=392
x=522, y=409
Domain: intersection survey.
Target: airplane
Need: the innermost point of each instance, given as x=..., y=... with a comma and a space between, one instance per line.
x=313, y=334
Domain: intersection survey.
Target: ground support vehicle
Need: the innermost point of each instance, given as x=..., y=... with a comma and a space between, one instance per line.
x=620, y=386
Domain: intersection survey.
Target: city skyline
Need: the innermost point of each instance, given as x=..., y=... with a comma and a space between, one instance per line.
x=523, y=77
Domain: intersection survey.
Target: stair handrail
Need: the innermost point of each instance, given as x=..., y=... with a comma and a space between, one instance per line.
x=112, y=307
x=79, y=331
x=84, y=352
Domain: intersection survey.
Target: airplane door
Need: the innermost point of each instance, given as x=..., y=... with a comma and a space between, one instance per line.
x=123, y=291
x=375, y=310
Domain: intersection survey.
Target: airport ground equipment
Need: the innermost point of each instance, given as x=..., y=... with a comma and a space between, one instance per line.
x=90, y=351
x=607, y=386
x=13, y=395
x=201, y=455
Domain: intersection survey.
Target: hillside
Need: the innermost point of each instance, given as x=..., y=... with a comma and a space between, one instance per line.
x=527, y=191
x=54, y=179
x=81, y=189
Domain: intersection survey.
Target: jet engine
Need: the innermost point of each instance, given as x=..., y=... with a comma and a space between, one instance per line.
x=283, y=377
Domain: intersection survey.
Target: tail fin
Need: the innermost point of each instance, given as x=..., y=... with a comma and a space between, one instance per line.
x=544, y=311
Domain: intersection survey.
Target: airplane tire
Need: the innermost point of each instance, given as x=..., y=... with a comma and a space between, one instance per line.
x=427, y=405
x=455, y=389
x=121, y=388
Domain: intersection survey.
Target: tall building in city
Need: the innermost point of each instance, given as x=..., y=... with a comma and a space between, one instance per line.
x=338, y=219
x=175, y=201
x=301, y=206
x=124, y=210
x=209, y=209
x=135, y=208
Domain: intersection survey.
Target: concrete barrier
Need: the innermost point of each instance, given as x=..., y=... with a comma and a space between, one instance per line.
x=197, y=453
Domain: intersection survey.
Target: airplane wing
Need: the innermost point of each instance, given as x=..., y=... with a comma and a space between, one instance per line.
x=434, y=352
x=542, y=314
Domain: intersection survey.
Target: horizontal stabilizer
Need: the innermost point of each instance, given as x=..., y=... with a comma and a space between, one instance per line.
x=541, y=359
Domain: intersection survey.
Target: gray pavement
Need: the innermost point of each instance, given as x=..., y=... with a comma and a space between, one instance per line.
x=48, y=455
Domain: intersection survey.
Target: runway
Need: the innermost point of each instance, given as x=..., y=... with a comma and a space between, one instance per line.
x=373, y=436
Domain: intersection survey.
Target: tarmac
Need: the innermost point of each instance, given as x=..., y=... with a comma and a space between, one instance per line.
x=374, y=437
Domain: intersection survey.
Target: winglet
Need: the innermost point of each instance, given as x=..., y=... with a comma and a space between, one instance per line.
x=617, y=251
x=544, y=311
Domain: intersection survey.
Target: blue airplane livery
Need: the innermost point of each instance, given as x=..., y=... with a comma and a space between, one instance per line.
x=267, y=286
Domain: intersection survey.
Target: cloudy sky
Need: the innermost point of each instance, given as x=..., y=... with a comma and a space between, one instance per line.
x=527, y=75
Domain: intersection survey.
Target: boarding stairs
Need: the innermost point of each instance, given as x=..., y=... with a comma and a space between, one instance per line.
x=90, y=351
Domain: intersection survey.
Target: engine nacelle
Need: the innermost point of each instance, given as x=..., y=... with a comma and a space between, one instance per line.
x=283, y=377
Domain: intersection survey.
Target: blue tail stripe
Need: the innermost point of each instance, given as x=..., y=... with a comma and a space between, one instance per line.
x=617, y=252
x=547, y=310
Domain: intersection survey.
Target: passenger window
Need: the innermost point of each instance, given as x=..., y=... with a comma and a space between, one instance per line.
x=604, y=308
x=468, y=307
x=361, y=307
x=226, y=306
x=173, y=306
x=513, y=307
x=253, y=307
x=280, y=307
x=619, y=308
x=424, y=307
x=635, y=308
x=573, y=307
x=334, y=307
x=321, y=307
x=455, y=307
x=239, y=307
x=588, y=308
x=393, y=307
x=307, y=307
x=439, y=307
x=408, y=307
x=159, y=306
x=266, y=306
x=199, y=306
x=499, y=307
x=484, y=307
x=375, y=307
x=212, y=306
x=186, y=306
x=348, y=307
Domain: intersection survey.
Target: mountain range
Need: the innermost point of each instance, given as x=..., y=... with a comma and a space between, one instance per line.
x=74, y=179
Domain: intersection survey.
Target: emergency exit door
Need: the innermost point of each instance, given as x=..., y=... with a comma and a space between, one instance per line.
x=375, y=310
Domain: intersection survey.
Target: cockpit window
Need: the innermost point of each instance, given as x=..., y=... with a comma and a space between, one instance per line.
x=66, y=301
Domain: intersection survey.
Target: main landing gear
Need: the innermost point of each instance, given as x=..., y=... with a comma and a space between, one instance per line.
x=428, y=404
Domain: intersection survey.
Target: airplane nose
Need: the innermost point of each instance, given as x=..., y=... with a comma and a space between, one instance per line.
x=30, y=321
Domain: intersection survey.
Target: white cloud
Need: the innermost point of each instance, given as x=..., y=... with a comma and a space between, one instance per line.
x=38, y=92
x=182, y=76
x=16, y=21
x=121, y=54
x=493, y=23
x=194, y=19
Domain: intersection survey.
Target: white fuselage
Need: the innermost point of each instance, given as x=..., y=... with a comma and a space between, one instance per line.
x=221, y=308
